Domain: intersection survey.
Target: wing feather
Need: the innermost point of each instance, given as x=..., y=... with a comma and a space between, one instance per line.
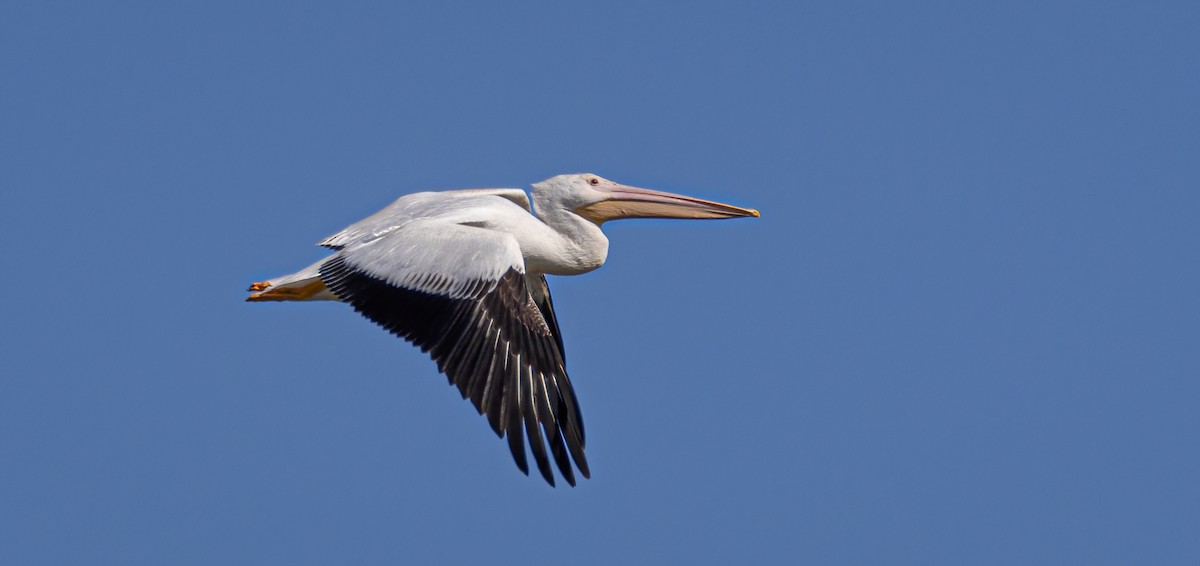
x=490, y=328
x=417, y=206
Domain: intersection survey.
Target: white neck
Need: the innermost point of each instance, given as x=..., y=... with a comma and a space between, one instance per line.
x=572, y=244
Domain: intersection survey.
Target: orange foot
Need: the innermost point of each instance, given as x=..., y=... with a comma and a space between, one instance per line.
x=260, y=286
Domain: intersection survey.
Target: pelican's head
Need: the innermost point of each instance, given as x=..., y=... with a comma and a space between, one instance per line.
x=600, y=200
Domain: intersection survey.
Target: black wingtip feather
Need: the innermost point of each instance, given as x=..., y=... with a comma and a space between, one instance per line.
x=515, y=425
x=477, y=342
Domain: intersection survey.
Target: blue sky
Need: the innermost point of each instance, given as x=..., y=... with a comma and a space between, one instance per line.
x=965, y=330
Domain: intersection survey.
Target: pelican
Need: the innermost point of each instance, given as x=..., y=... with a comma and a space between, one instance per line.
x=462, y=275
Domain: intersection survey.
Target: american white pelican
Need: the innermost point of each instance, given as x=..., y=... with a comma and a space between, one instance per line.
x=462, y=275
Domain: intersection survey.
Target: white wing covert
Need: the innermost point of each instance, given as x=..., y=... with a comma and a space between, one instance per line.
x=416, y=206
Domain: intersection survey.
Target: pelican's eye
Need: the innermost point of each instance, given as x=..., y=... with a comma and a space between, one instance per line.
x=593, y=181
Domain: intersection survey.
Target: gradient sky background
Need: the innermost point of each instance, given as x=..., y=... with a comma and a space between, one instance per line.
x=966, y=329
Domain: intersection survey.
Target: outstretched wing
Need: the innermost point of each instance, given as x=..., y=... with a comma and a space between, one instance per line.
x=461, y=294
x=416, y=206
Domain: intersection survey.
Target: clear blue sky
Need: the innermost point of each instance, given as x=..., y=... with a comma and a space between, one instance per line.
x=966, y=329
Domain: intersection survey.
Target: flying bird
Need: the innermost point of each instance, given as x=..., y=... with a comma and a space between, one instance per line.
x=462, y=275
